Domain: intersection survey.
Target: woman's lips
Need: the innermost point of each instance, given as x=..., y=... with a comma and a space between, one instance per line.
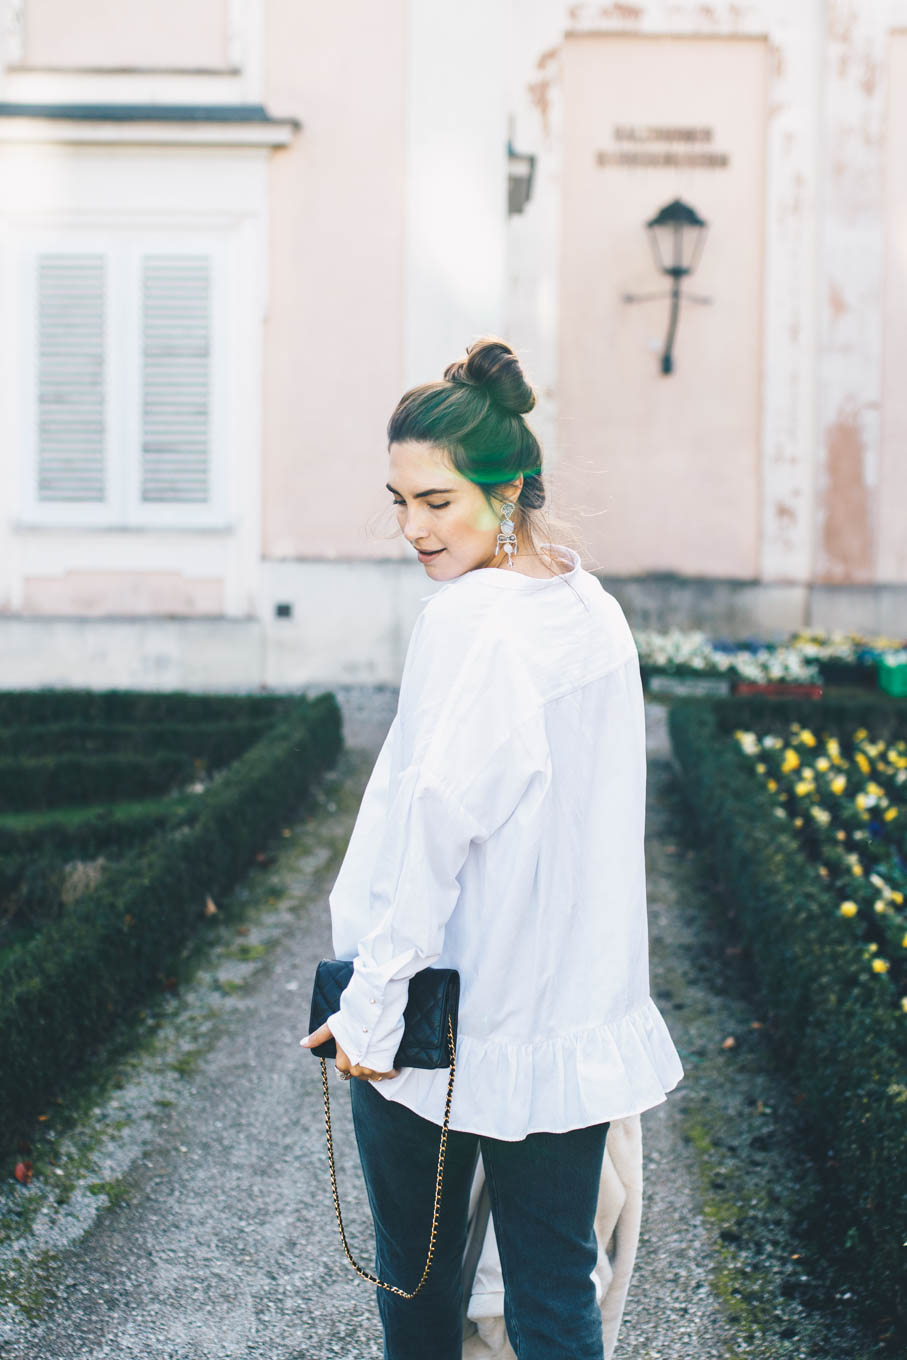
x=427, y=556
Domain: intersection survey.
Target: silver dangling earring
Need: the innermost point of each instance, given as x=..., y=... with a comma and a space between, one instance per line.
x=507, y=536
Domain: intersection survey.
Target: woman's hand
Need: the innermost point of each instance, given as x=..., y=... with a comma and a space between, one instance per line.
x=342, y=1062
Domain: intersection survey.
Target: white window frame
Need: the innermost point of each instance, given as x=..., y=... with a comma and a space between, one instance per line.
x=124, y=249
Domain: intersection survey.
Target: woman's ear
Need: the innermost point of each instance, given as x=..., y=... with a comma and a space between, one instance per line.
x=512, y=491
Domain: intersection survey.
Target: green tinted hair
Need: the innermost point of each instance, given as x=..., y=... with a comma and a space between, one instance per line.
x=475, y=413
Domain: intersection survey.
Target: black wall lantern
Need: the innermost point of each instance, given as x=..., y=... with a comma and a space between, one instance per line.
x=676, y=234
x=521, y=171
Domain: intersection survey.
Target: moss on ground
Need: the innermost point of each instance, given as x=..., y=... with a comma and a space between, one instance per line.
x=115, y=1190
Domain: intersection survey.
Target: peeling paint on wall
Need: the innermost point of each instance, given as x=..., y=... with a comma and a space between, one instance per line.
x=619, y=12
x=784, y=528
x=540, y=97
x=628, y=14
x=842, y=19
x=846, y=536
x=539, y=91
x=785, y=515
x=837, y=303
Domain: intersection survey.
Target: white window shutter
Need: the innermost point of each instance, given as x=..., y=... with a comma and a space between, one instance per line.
x=176, y=379
x=71, y=377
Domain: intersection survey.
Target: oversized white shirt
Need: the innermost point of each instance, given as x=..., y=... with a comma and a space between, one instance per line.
x=501, y=833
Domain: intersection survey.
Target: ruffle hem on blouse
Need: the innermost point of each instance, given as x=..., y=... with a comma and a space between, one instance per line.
x=568, y=1081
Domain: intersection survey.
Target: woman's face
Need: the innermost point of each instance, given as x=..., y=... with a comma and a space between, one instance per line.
x=443, y=512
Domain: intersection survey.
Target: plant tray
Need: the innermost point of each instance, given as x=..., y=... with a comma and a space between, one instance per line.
x=686, y=685
x=778, y=689
x=848, y=673
x=892, y=679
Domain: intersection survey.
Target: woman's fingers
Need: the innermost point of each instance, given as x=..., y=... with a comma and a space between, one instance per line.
x=369, y=1074
x=342, y=1062
x=314, y=1040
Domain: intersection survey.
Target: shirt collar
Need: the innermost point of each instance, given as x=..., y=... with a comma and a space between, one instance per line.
x=508, y=578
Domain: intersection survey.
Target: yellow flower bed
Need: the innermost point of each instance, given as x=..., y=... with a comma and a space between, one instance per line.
x=847, y=802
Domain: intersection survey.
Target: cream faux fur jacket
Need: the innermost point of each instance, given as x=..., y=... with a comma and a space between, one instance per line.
x=617, y=1228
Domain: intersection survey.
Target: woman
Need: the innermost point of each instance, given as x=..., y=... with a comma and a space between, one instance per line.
x=501, y=834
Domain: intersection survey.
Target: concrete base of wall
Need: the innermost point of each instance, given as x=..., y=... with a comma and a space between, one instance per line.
x=743, y=609
x=123, y=653
x=350, y=622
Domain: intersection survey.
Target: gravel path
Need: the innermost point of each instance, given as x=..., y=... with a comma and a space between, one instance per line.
x=187, y=1214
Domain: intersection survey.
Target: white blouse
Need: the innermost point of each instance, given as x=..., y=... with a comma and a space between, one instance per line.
x=501, y=834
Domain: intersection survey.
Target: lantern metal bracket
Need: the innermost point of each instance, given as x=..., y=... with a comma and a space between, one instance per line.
x=677, y=217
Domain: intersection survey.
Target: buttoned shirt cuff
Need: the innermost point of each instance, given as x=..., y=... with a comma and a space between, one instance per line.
x=369, y=1024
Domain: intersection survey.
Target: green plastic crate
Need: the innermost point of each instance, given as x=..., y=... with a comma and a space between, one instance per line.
x=892, y=677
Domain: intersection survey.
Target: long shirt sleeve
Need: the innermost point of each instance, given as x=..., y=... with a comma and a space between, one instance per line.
x=471, y=745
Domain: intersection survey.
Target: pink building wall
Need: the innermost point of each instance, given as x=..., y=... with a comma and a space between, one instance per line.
x=664, y=468
x=333, y=354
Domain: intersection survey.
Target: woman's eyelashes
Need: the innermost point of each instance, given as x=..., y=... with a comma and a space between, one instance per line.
x=442, y=506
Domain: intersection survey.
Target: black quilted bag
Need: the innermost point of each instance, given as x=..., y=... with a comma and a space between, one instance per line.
x=429, y=1040
x=434, y=994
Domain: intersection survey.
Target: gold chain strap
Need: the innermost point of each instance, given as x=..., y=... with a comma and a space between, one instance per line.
x=366, y=1274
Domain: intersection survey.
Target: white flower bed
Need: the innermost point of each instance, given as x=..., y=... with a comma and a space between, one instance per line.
x=690, y=651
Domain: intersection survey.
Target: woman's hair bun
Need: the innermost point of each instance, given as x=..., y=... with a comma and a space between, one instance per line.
x=492, y=365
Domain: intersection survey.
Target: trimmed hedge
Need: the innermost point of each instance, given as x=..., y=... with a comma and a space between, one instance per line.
x=86, y=832
x=69, y=779
x=66, y=764
x=63, y=990
x=39, y=706
x=886, y=717
x=839, y=1032
x=217, y=743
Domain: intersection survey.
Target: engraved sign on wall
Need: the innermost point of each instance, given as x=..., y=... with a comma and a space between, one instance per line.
x=657, y=147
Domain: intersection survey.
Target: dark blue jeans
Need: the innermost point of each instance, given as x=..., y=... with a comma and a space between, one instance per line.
x=543, y=1193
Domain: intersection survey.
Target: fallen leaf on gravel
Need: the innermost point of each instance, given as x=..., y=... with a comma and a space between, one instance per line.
x=23, y=1172
x=42, y=1117
x=757, y=1024
x=730, y=1042
x=210, y=908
